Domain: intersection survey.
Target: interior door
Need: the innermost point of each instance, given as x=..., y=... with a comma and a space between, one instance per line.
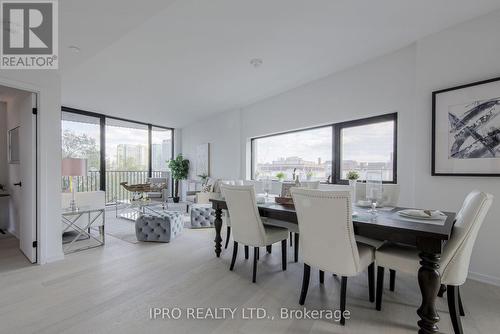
x=27, y=158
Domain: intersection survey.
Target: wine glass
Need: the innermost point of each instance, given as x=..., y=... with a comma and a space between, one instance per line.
x=266, y=185
x=374, y=189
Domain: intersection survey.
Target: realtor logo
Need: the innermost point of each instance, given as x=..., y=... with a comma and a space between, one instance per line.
x=29, y=33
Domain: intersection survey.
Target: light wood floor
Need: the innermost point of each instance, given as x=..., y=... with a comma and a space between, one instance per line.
x=111, y=290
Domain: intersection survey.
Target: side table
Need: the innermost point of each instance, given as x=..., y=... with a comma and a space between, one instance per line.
x=96, y=219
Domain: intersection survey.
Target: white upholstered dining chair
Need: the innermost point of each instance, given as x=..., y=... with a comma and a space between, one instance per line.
x=327, y=239
x=455, y=259
x=227, y=218
x=247, y=226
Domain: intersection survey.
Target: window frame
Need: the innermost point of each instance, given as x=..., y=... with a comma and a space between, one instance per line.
x=102, y=123
x=336, y=144
x=360, y=122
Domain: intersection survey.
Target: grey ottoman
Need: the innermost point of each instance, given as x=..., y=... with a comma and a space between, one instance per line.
x=202, y=217
x=162, y=227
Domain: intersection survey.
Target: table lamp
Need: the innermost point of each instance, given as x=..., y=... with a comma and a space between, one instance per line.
x=73, y=167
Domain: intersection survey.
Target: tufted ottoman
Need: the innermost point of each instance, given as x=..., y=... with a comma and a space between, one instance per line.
x=162, y=227
x=202, y=216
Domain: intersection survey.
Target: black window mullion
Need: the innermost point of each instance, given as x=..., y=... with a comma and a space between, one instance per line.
x=102, y=154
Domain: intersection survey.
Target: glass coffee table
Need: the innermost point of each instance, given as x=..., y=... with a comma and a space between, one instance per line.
x=132, y=209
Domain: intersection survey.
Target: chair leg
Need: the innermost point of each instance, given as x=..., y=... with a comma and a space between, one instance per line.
x=452, y=294
x=305, y=284
x=246, y=252
x=228, y=234
x=269, y=249
x=442, y=290
x=235, y=253
x=371, y=282
x=296, y=250
x=291, y=239
x=460, y=305
x=321, y=277
x=255, y=258
x=392, y=282
x=343, y=292
x=283, y=254
x=258, y=253
x=380, y=287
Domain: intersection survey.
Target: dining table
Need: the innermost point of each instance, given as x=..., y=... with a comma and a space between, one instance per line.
x=428, y=236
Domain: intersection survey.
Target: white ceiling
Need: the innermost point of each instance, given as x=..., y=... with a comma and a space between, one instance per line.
x=174, y=62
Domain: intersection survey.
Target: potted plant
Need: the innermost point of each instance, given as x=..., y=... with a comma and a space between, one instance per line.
x=353, y=177
x=309, y=175
x=280, y=176
x=179, y=167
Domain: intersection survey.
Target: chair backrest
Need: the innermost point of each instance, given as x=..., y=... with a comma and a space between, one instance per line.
x=390, y=193
x=326, y=230
x=457, y=252
x=246, y=225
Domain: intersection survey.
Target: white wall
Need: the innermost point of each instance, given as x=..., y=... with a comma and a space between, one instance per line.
x=13, y=170
x=4, y=202
x=223, y=134
x=399, y=82
x=3, y=143
x=466, y=53
x=47, y=84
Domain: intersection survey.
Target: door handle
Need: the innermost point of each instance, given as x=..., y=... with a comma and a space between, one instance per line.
x=20, y=184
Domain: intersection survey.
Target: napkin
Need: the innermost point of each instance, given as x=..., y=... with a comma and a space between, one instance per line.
x=422, y=213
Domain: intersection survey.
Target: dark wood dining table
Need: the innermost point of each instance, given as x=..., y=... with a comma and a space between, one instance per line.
x=428, y=237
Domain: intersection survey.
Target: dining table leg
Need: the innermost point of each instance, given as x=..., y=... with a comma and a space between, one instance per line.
x=429, y=281
x=218, y=228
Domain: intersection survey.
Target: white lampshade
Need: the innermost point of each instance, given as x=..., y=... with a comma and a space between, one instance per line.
x=74, y=167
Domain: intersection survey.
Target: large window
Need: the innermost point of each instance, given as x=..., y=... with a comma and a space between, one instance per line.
x=328, y=153
x=367, y=144
x=306, y=153
x=116, y=151
x=81, y=138
x=127, y=146
x=161, y=148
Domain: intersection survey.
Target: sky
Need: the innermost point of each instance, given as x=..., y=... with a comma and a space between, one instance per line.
x=368, y=143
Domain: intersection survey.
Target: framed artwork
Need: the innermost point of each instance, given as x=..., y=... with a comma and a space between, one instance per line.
x=466, y=130
x=203, y=159
x=14, y=146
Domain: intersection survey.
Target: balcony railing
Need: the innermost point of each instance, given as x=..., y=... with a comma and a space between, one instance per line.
x=114, y=191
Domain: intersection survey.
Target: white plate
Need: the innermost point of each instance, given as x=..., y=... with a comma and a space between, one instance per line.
x=435, y=215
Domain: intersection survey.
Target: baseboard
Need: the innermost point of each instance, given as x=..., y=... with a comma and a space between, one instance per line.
x=484, y=278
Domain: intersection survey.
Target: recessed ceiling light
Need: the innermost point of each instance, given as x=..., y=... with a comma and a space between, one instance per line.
x=74, y=48
x=256, y=62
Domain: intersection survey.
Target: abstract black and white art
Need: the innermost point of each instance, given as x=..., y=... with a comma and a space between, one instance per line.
x=466, y=130
x=475, y=130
